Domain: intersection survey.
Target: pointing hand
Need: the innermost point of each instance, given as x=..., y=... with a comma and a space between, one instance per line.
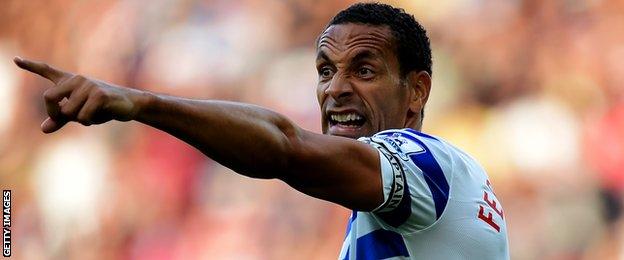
x=78, y=98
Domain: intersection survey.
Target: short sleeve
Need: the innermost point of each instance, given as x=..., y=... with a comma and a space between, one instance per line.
x=414, y=187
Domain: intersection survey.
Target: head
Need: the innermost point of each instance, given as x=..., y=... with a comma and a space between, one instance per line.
x=374, y=67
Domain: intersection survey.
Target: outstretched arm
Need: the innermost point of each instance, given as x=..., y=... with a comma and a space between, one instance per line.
x=248, y=139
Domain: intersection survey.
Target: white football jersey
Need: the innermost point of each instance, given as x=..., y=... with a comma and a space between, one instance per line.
x=438, y=204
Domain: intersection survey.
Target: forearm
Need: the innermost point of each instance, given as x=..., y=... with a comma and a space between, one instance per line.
x=248, y=139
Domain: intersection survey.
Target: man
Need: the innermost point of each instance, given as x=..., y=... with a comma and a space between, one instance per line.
x=412, y=195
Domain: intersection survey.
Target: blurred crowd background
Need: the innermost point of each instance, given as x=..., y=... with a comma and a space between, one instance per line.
x=533, y=89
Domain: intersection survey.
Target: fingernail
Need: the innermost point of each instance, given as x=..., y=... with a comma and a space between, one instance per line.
x=17, y=58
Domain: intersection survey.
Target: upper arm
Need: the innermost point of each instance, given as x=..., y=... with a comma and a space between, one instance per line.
x=336, y=169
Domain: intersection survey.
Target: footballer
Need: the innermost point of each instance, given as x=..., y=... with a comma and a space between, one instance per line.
x=413, y=195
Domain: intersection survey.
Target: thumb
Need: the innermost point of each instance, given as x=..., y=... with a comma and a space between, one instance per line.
x=50, y=125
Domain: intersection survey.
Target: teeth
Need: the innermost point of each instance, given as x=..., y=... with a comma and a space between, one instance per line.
x=342, y=118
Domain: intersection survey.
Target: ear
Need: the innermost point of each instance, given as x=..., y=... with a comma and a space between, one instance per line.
x=420, y=86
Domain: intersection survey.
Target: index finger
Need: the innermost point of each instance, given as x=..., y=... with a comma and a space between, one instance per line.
x=40, y=68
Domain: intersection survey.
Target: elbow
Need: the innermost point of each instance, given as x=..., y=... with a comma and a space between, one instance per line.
x=292, y=148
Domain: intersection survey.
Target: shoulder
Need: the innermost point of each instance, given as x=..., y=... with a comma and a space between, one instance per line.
x=407, y=142
x=417, y=170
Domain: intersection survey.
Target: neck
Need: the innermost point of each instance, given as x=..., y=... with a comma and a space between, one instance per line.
x=414, y=122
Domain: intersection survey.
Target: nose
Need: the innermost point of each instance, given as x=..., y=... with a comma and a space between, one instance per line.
x=339, y=88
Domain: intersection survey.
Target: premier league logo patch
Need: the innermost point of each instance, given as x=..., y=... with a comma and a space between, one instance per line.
x=403, y=145
x=407, y=146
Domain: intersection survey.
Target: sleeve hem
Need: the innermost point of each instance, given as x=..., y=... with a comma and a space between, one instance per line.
x=387, y=181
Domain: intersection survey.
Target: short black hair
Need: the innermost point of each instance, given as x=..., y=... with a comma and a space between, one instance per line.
x=412, y=44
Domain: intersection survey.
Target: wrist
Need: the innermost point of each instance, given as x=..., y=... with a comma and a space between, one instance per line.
x=143, y=101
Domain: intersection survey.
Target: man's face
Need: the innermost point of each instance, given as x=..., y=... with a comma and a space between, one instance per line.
x=360, y=89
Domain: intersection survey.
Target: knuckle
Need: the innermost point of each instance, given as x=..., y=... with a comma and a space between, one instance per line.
x=66, y=110
x=79, y=78
x=76, y=79
x=62, y=81
x=83, y=89
x=95, y=94
x=48, y=95
x=99, y=94
x=83, y=119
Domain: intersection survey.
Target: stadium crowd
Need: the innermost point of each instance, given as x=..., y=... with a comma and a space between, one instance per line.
x=533, y=89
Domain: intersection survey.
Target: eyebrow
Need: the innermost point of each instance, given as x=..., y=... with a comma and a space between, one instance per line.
x=322, y=56
x=359, y=57
x=363, y=55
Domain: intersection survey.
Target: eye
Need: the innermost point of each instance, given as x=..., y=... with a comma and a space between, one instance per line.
x=366, y=73
x=326, y=72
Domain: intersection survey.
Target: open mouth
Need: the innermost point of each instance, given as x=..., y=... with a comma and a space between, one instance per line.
x=349, y=120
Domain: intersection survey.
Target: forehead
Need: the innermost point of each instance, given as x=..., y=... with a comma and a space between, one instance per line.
x=343, y=37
